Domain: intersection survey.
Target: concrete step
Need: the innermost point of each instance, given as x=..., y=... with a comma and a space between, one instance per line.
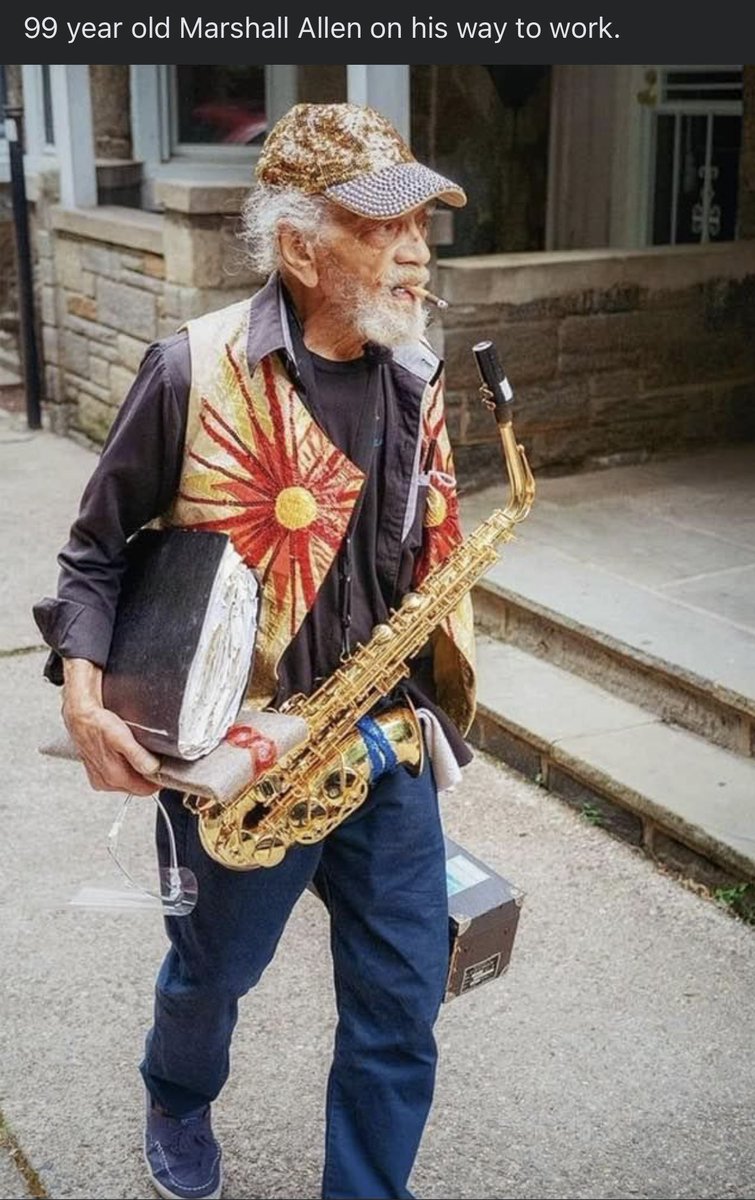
x=643, y=580
x=685, y=801
x=9, y=378
x=10, y=358
x=723, y=715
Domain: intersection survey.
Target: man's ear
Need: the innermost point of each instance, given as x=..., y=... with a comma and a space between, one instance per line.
x=297, y=255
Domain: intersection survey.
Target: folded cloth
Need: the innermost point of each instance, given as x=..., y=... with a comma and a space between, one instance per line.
x=254, y=742
x=446, y=769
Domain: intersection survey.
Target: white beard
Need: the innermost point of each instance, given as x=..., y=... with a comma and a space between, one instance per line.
x=382, y=319
x=389, y=323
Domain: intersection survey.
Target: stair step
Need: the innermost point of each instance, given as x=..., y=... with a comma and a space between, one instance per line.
x=9, y=352
x=9, y=379
x=676, y=694
x=9, y=320
x=684, y=664
x=658, y=786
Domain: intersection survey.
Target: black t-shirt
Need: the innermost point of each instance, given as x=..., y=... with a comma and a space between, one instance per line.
x=355, y=405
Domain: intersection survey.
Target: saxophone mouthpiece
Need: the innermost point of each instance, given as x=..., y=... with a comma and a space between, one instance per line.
x=423, y=294
x=493, y=378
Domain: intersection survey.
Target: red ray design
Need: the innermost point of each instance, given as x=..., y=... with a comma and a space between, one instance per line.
x=246, y=480
x=438, y=540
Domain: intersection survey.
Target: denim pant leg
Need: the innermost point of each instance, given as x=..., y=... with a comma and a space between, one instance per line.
x=217, y=954
x=383, y=877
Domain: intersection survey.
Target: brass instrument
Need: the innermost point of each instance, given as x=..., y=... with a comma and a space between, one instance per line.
x=315, y=786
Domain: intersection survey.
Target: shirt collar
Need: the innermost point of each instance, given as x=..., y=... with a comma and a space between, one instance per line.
x=270, y=331
x=269, y=324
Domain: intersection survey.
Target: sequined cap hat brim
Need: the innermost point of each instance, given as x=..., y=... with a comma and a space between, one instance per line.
x=394, y=190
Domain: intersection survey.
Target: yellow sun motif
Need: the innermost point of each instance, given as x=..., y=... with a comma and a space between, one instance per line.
x=437, y=508
x=295, y=508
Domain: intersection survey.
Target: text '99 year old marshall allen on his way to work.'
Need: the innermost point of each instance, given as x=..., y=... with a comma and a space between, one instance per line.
x=320, y=28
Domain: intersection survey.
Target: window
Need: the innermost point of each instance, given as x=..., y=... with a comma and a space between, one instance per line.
x=217, y=106
x=204, y=123
x=697, y=134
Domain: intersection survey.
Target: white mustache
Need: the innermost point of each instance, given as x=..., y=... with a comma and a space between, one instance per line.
x=409, y=282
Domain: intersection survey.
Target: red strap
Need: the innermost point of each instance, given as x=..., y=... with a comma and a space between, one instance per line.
x=262, y=749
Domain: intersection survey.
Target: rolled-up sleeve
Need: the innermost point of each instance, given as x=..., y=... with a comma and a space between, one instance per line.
x=134, y=482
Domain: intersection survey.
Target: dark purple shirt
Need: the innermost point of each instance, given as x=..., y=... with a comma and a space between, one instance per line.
x=367, y=407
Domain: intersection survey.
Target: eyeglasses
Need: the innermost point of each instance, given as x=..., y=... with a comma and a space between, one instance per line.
x=178, y=888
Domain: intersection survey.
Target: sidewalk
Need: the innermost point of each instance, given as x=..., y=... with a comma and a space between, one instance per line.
x=617, y=654
x=660, y=556
x=613, y=1060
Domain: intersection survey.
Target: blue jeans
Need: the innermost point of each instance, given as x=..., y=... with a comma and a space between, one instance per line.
x=382, y=876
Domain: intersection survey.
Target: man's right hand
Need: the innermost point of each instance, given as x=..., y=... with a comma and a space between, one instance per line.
x=114, y=760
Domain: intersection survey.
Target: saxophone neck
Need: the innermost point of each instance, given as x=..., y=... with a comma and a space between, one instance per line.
x=497, y=395
x=521, y=481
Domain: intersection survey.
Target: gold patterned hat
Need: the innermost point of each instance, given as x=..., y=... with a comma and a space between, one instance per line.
x=354, y=156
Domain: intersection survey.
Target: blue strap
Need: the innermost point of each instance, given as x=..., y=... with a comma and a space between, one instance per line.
x=381, y=753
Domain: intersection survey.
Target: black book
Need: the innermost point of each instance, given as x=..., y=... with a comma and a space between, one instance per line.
x=183, y=640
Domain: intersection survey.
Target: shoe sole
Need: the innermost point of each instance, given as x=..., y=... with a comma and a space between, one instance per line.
x=163, y=1191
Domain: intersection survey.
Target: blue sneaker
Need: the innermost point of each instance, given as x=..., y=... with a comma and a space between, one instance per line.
x=182, y=1155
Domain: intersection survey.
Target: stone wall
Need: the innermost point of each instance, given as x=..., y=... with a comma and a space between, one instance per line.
x=112, y=280
x=613, y=355
x=7, y=252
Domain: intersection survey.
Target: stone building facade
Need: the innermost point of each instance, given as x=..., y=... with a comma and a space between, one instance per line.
x=613, y=351
x=113, y=280
x=613, y=356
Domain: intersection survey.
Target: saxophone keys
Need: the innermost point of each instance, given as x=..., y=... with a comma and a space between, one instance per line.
x=269, y=851
x=413, y=601
x=339, y=786
x=307, y=813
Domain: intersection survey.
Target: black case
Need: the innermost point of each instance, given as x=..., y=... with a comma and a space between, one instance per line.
x=161, y=609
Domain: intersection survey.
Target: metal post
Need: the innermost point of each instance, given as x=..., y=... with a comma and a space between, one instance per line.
x=12, y=115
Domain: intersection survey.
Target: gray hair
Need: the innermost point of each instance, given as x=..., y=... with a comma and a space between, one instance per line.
x=266, y=208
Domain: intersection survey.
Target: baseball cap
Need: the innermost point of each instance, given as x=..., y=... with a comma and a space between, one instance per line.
x=351, y=154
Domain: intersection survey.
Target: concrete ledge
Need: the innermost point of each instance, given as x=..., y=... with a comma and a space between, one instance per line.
x=129, y=227
x=521, y=278
x=190, y=196
x=677, y=695
x=588, y=746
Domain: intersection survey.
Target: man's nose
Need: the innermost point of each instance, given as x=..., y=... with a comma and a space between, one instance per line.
x=413, y=245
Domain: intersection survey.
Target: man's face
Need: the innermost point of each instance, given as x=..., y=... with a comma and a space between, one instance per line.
x=362, y=265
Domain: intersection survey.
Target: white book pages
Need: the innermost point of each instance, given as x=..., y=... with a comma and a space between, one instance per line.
x=218, y=676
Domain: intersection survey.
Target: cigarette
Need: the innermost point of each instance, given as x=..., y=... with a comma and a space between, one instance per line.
x=423, y=294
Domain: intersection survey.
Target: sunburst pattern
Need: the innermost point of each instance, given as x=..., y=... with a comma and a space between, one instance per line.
x=271, y=479
x=454, y=646
x=442, y=527
x=259, y=468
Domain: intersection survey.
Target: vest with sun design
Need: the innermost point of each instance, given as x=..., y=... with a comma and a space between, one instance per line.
x=258, y=467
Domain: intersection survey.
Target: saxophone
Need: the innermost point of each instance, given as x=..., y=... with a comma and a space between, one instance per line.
x=318, y=784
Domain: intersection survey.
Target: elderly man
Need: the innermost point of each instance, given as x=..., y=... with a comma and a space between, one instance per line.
x=307, y=423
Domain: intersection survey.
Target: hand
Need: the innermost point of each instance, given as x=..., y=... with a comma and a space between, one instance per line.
x=113, y=759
